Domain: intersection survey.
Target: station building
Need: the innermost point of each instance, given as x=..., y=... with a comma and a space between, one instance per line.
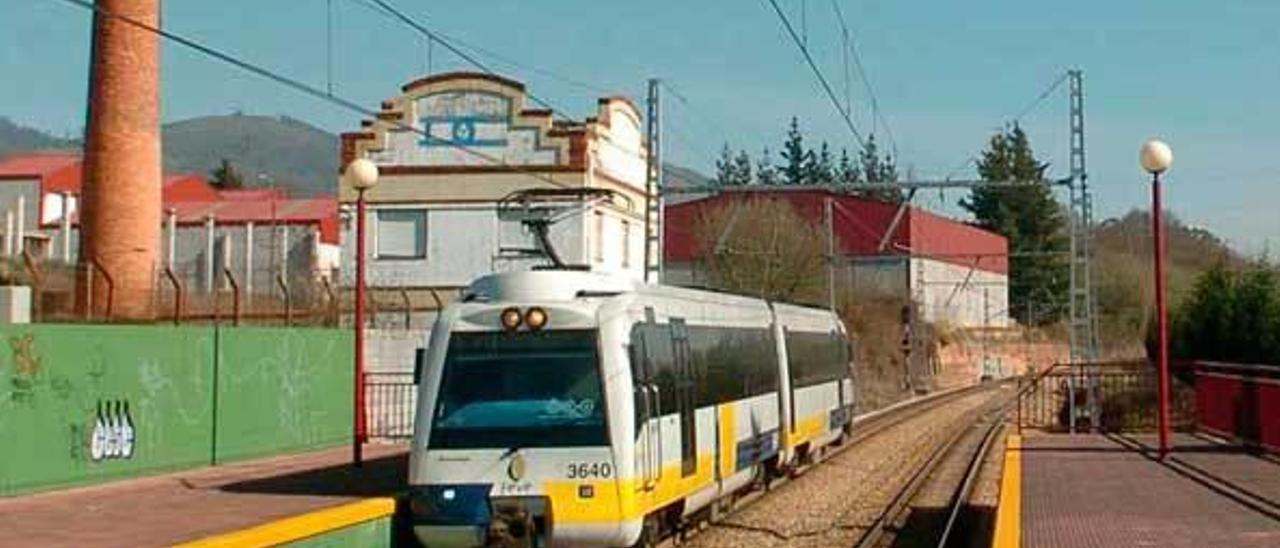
x=450, y=147
x=956, y=273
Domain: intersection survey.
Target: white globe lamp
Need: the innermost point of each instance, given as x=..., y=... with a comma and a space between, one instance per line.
x=1155, y=156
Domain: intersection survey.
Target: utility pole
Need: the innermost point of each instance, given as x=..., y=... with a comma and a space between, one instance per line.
x=653, y=207
x=1084, y=333
x=829, y=222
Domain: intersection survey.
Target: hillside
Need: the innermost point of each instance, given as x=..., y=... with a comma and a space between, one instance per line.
x=286, y=152
x=266, y=150
x=17, y=138
x=1124, y=278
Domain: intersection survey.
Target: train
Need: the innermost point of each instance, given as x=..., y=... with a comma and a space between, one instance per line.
x=572, y=408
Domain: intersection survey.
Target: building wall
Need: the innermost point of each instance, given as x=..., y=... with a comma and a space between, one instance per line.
x=958, y=295
x=482, y=144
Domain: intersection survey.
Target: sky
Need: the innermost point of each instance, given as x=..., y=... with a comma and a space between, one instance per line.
x=1201, y=75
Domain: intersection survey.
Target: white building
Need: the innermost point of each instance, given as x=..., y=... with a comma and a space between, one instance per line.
x=449, y=148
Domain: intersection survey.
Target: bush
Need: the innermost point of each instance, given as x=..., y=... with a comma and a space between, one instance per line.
x=1230, y=316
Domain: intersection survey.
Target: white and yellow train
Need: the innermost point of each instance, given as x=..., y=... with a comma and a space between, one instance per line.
x=562, y=408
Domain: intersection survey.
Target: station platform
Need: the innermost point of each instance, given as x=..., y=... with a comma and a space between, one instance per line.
x=1087, y=490
x=188, y=506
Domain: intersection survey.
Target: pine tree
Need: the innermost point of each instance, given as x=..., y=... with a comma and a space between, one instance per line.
x=225, y=176
x=742, y=169
x=877, y=169
x=766, y=173
x=1029, y=216
x=819, y=169
x=724, y=167
x=846, y=174
x=794, y=156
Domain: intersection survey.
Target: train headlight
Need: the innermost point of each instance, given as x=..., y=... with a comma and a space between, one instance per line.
x=510, y=319
x=536, y=318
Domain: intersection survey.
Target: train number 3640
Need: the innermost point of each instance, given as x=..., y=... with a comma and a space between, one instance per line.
x=580, y=470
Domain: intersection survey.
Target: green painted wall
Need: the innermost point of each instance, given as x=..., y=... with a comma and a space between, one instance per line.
x=282, y=390
x=278, y=390
x=370, y=534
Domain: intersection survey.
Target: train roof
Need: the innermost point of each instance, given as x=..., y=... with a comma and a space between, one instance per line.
x=571, y=285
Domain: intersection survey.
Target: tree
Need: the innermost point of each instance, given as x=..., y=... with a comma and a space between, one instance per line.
x=877, y=169
x=1032, y=220
x=225, y=176
x=794, y=155
x=766, y=173
x=742, y=169
x=761, y=246
x=845, y=173
x=818, y=167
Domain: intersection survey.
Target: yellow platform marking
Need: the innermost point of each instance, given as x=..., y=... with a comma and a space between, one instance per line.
x=1009, y=515
x=303, y=526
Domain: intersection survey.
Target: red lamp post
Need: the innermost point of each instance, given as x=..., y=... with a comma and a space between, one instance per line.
x=1156, y=157
x=362, y=175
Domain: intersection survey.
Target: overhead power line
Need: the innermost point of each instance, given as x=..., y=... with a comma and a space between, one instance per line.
x=822, y=79
x=448, y=44
x=300, y=86
x=1039, y=99
x=851, y=48
x=436, y=35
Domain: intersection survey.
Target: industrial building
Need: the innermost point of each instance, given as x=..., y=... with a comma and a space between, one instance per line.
x=956, y=273
x=262, y=236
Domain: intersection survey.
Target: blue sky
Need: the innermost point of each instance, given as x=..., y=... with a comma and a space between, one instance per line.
x=1202, y=75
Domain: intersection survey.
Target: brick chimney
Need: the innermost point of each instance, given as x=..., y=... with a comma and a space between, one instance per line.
x=120, y=216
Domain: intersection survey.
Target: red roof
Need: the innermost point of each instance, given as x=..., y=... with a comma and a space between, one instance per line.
x=189, y=194
x=320, y=211
x=859, y=225
x=57, y=171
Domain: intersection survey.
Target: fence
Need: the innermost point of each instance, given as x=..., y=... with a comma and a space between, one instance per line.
x=390, y=403
x=88, y=403
x=1239, y=402
x=1108, y=397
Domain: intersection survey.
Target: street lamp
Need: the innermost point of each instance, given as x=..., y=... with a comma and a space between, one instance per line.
x=361, y=175
x=1156, y=157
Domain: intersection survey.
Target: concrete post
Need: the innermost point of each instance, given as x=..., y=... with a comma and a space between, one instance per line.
x=8, y=233
x=120, y=205
x=66, y=227
x=248, y=262
x=20, y=232
x=284, y=251
x=208, y=254
x=171, y=226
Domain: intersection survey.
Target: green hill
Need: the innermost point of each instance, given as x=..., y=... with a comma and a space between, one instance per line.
x=266, y=151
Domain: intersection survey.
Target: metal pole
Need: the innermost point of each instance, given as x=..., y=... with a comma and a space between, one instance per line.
x=829, y=221
x=66, y=227
x=209, y=227
x=1162, y=316
x=19, y=243
x=248, y=263
x=358, y=434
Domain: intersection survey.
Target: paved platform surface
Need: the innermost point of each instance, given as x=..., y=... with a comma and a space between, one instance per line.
x=1096, y=490
x=171, y=508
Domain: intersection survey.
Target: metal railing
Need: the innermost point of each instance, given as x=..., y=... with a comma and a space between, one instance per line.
x=1101, y=397
x=390, y=402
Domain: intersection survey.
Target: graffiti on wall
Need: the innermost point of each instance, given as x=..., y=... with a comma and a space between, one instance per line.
x=113, y=431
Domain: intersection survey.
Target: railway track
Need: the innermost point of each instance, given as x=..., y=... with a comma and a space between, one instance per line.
x=968, y=448
x=810, y=510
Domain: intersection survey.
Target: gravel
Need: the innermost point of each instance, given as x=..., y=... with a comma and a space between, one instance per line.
x=832, y=502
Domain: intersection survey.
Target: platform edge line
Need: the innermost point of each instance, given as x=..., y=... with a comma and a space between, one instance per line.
x=1008, y=533
x=295, y=528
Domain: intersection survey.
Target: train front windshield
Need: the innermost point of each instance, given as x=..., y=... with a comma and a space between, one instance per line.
x=516, y=390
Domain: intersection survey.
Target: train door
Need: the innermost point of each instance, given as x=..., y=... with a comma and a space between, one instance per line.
x=648, y=413
x=685, y=404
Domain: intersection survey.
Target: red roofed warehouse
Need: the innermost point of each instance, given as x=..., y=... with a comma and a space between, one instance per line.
x=957, y=273
x=257, y=233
